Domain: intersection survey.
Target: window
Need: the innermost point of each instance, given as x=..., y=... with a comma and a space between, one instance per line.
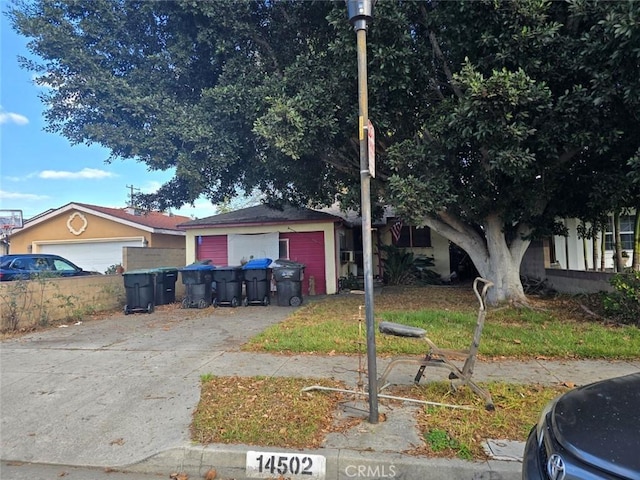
x=627, y=223
x=414, y=237
x=283, y=248
x=62, y=266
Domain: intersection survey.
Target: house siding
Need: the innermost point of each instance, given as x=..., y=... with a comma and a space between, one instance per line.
x=327, y=243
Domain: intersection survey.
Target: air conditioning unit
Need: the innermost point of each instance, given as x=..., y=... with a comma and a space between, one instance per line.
x=347, y=256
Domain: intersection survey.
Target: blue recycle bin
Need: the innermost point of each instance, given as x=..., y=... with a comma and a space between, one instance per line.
x=257, y=282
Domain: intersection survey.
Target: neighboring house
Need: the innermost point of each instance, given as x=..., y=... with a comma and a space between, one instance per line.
x=93, y=237
x=575, y=253
x=567, y=263
x=328, y=243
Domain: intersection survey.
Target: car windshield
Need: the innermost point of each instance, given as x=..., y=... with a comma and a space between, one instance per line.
x=62, y=266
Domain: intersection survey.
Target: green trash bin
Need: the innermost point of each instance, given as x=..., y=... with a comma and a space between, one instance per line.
x=165, y=291
x=139, y=286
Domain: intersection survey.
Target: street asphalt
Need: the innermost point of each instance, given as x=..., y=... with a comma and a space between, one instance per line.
x=118, y=394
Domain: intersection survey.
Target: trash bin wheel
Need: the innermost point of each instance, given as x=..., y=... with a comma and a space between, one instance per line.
x=150, y=307
x=234, y=302
x=245, y=302
x=295, y=301
x=265, y=300
x=202, y=303
x=126, y=310
x=185, y=303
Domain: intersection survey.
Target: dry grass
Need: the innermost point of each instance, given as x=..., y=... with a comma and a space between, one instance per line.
x=265, y=411
x=517, y=410
x=275, y=412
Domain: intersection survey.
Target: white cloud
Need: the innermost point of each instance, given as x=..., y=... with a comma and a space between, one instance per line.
x=10, y=117
x=85, y=173
x=21, y=196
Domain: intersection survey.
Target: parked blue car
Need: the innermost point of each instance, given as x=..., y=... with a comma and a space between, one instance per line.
x=27, y=265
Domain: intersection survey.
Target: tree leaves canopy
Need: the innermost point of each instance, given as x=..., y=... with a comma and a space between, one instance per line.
x=487, y=112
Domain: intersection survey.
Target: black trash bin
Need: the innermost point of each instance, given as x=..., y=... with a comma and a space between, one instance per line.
x=197, y=280
x=139, y=286
x=165, y=278
x=257, y=282
x=228, y=286
x=288, y=276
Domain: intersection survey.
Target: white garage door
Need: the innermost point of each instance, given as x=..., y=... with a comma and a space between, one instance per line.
x=92, y=256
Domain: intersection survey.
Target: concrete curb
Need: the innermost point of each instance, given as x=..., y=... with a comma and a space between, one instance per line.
x=342, y=464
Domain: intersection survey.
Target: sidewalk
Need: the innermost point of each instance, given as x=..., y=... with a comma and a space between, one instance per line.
x=120, y=393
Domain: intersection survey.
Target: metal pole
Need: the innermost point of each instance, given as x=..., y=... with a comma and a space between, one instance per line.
x=365, y=199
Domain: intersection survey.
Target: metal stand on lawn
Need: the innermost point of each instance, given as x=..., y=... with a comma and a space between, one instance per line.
x=443, y=358
x=360, y=391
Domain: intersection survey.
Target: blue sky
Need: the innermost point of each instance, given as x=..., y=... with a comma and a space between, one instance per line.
x=40, y=170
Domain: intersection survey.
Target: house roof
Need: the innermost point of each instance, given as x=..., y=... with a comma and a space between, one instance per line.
x=153, y=222
x=261, y=215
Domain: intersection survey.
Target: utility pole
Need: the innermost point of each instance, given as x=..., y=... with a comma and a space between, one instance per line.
x=131, y=190
x=360, y=15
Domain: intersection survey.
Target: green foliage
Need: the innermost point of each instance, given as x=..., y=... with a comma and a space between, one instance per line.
x=472, y=101
x=623, y=305
x=403, y=267
x=440, y=440
x=113, y=269
x=14, y=298
x=398, y=265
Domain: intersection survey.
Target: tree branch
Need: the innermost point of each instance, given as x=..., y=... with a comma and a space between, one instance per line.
x=436, y=48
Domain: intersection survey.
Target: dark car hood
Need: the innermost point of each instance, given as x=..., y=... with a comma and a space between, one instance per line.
x=600, y=424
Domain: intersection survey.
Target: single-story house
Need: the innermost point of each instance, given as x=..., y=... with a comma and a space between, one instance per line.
x=306, y=236
x=328, y=243
x=93, y=237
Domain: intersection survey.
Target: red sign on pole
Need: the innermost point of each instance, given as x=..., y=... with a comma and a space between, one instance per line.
x=371, y=143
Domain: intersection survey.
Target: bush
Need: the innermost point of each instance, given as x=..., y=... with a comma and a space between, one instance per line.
x=402, y=267
x=623, y=304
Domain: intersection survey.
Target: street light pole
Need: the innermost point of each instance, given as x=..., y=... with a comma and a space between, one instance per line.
x=360, y=14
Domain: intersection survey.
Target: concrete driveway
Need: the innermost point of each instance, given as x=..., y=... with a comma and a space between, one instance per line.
x=115, y=391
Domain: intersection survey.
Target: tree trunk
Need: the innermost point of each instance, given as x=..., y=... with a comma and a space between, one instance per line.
x=494, y=259
x=617, y=241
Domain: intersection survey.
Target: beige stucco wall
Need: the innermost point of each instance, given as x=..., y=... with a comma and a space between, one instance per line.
x=439, y=250
x=56, y=230
x=331, y=254
x=44, y=301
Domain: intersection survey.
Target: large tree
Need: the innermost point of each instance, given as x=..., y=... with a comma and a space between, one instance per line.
x=492, y=118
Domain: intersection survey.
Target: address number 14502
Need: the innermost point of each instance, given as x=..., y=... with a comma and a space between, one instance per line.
x=291, y=465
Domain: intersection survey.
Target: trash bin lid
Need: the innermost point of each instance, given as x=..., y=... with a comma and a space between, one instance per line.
x=197, y=266
x=257, y=264
x=141, y=271
x=229, y=267
x=282, y=263
x=164, y=269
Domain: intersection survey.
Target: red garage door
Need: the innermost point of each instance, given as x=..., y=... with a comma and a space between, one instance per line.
x=308, y=248
x=213, y=248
